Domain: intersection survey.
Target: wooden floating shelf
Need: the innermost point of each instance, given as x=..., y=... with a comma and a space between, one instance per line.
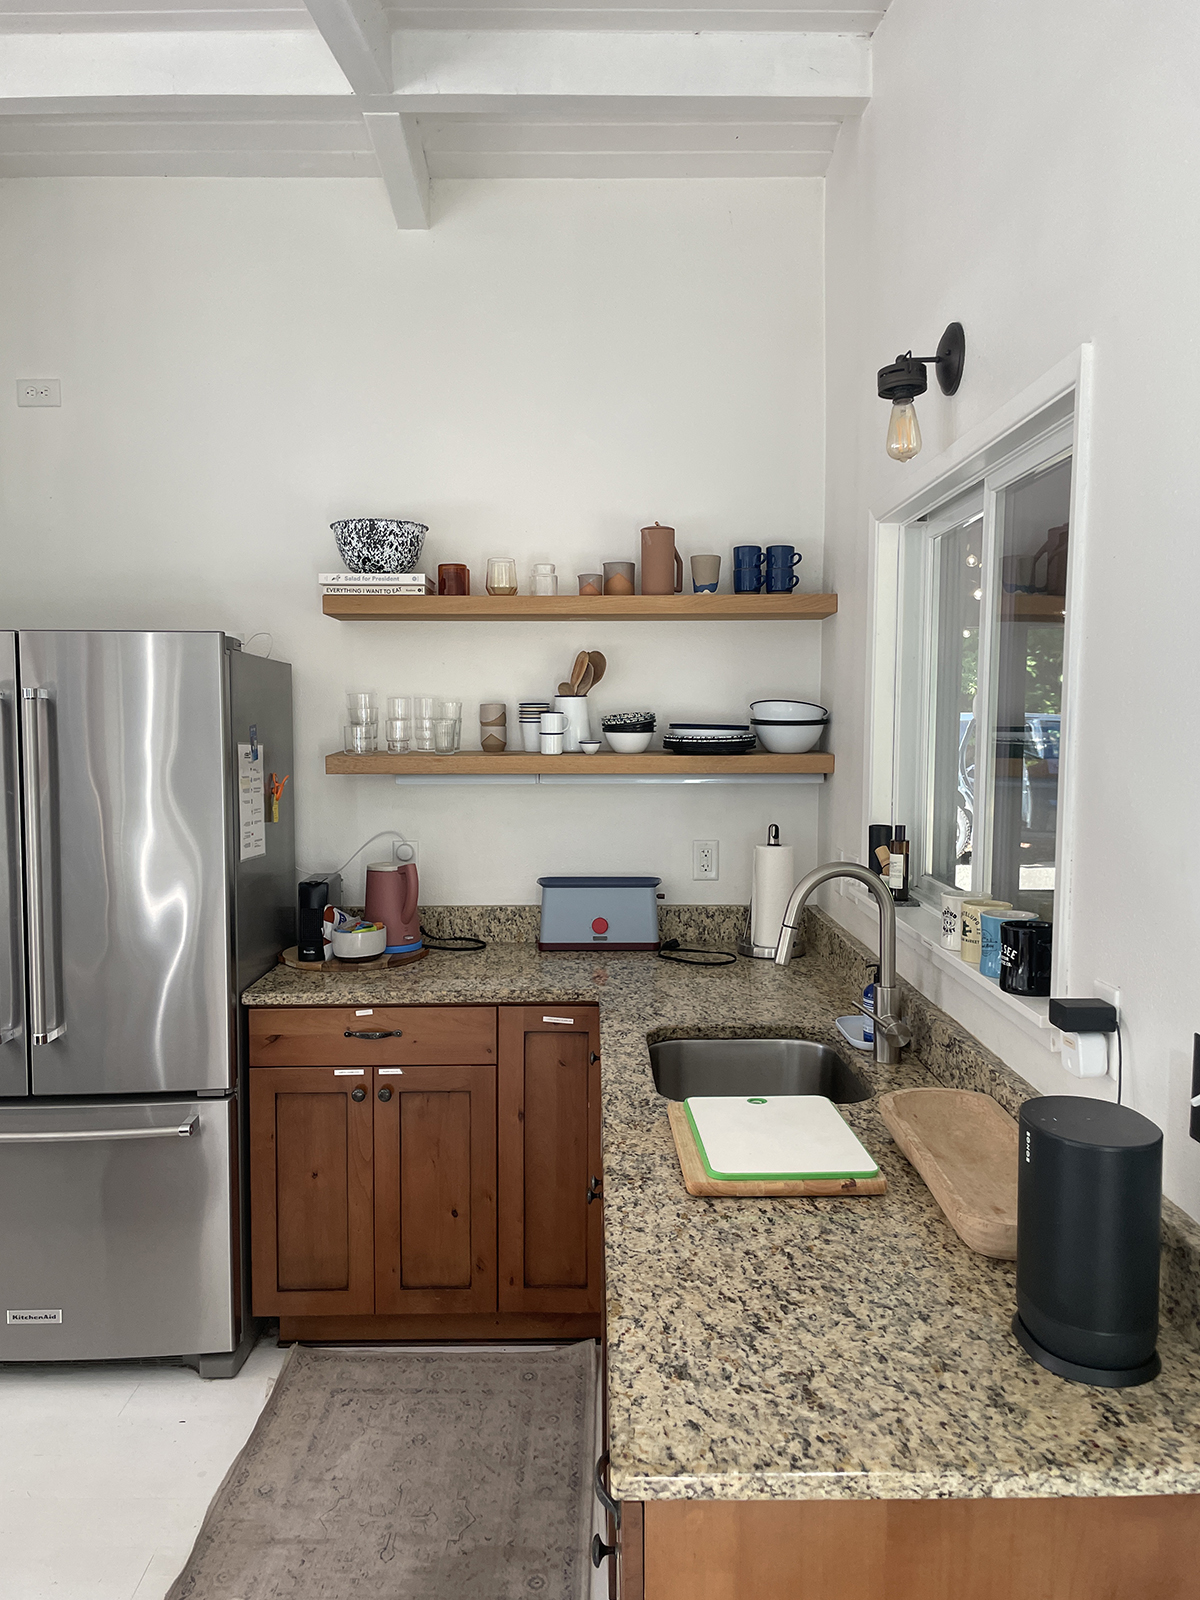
x=655, y=763
x=580, y=607
x=1033, y=607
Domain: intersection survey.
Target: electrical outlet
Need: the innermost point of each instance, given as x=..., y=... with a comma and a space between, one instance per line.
x=39, y=392
x=1110, y=992
x=706, y=858
x=406, y=852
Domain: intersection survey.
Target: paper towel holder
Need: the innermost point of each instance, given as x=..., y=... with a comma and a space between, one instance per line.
x=745, y=942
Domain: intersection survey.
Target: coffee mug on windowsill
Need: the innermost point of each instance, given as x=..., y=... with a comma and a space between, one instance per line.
x=1025, y=952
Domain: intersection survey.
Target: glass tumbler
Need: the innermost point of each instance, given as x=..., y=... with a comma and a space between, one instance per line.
x=399, y=734
x=453, y=710
x=400, y=707
x=545, y=580
x=443, y=735
x=422, y=733
x=501, y=575
x=362, y=707
x=360, y=738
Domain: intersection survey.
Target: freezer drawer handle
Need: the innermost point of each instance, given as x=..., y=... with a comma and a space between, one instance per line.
x=388, y=1033
x=185, y=1130
x=45, y=1027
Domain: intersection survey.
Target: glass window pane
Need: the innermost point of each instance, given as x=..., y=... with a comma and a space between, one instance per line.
x=1032, y=517
x=958, y=579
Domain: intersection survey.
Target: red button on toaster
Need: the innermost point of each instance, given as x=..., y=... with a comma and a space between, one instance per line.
x=599, y=925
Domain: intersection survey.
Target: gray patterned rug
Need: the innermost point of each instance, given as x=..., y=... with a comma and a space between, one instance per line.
x=458, y=1475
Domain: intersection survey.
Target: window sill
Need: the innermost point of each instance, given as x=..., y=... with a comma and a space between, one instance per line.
x=919, y=928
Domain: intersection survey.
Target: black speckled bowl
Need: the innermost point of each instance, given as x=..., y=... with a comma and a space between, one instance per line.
x=379, y=544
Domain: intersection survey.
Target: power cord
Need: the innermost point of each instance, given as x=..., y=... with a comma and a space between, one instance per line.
x=388, y=833
x=1120, y=1066
x=464, y=947
x=672, y=950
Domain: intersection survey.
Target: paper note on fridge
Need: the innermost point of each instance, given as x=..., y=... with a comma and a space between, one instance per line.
x=252, y=802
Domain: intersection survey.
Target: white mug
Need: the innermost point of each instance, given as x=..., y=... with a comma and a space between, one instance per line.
x=952, y=905
x=970, y=947
x=552, y=722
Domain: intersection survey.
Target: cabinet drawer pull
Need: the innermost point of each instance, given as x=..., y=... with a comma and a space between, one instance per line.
x=600, y=1550
x=567, y=1022
x=388, y=1033
x=594, y=1190
x=593, y=1058
x=385, y=1093
x=358, y=1094
x=602, y=1494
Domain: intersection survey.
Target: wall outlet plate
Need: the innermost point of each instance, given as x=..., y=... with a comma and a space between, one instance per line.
x=39, y=392
x=706, y=859
x=406, y=852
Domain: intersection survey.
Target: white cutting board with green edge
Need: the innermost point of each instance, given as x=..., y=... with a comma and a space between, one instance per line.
x=784, y=1137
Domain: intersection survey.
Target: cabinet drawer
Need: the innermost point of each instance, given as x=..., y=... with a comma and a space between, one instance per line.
x=435, y=1036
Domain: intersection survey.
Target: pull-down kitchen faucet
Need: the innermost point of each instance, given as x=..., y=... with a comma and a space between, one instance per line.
x=891, y=1035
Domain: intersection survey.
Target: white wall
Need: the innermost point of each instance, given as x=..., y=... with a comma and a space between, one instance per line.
x=550, y=367
x=1030, y=170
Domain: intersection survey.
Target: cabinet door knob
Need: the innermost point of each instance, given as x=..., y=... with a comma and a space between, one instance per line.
x=593, y=1190
x=600, y=1550
x=593, y=1058
x=385, y=1093
x=358, y=1094
x=388, y=1033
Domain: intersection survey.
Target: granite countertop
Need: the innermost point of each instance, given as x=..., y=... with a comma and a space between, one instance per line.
x=802, y=1349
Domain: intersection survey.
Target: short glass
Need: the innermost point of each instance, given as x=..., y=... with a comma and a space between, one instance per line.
x=544, y=580
x=399, y=734
x=399, y=706
x=422, y=733
x=360, y=738
x=424, y=705
x=444, y=729
x=501, y=575
x=362, y=707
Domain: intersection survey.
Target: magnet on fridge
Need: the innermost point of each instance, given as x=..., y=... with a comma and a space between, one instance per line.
x=254, y=741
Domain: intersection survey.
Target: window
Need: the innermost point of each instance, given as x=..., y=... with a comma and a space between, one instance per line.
x=983, y=600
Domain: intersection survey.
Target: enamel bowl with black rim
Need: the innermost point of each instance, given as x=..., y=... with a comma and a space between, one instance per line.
x=788, y=738
x=787, y=711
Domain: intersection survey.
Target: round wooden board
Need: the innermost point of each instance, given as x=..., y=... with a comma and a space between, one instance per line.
x=379, y=964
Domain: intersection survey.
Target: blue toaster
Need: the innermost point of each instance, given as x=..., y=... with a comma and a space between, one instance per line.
x=599, y=913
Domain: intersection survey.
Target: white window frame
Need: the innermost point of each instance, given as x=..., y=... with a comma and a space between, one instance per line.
x=989, y=451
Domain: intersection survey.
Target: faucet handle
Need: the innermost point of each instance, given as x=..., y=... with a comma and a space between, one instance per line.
x=895, y=1030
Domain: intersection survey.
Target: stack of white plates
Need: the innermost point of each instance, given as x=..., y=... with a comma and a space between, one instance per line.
x=530, y=714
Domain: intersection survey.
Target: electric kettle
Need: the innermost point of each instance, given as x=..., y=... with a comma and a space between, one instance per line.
x=392, y=892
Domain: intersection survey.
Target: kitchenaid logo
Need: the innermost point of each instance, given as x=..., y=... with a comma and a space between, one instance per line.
x=34, y=1316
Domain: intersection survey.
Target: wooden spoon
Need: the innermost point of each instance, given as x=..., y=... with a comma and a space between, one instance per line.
x=565, y=688
x=581, y=661
x=586, y=682
x=598, y=666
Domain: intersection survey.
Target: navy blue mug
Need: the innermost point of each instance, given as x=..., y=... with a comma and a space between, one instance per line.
x=747, y=568
x=781, y=559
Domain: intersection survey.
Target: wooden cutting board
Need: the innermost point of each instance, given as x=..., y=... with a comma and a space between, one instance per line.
x=965, y=1147
x=697, y=1181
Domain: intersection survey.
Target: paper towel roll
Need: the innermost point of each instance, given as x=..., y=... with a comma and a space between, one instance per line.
x=774, y=880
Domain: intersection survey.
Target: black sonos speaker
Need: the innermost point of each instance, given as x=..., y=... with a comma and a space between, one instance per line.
x=1089, y=1209
x=313, y=895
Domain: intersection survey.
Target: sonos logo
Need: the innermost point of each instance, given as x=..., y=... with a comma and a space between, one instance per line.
x=34, y=1316
x=1028, y=1148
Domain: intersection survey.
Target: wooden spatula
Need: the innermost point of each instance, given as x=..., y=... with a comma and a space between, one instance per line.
x=598, y=666
x=581, y=661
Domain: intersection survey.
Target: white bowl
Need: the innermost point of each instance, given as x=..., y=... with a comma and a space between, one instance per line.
x=590, y=747
x=788, y=739
x=787, y=710
x=359, y=944
x=628, y=744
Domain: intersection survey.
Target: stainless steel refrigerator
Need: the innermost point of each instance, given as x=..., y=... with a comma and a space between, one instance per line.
x=143, y=885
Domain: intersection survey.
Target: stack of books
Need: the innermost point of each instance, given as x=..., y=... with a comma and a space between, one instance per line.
x=376, y=583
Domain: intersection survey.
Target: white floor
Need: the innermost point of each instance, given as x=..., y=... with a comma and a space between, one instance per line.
x=106, y=1472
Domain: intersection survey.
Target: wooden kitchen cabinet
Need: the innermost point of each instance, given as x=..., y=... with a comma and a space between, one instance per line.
x=311, y=1191
x=410, y=1213
x=551, y=1240
x=435, y=1189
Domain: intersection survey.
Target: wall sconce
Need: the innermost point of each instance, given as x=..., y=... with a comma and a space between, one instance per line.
x=906, y=378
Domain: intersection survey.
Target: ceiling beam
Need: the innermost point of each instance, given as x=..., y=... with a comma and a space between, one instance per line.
x=581, y=71
x=402, y=166
x=360, y=38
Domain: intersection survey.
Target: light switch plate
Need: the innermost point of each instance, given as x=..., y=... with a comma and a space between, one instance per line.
x=39, y=392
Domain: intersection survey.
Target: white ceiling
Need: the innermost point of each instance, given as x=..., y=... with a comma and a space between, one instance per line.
x=472, y=89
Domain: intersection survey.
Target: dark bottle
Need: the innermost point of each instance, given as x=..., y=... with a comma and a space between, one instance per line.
x=898, y=866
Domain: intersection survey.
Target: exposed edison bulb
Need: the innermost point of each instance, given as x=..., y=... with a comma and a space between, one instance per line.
x=904, y=431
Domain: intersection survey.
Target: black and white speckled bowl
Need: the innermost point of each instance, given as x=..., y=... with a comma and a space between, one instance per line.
x=629, y=721
x=379, y=544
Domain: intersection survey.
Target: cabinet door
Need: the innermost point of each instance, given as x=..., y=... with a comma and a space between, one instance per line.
x=551, y=1236
x=435, y=1189
x=310, y=1191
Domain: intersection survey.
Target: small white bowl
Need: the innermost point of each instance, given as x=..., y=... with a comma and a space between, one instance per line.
x=359, y=944
x=589, y=746
x=788, y=740
x=628, y=744
x=787, y=710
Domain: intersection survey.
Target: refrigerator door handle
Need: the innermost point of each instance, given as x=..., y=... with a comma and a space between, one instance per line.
x=185, y=1130
x=45, y=1024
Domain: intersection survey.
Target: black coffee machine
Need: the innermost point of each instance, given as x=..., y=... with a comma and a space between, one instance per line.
x=1089, y=1209
x=313, y=895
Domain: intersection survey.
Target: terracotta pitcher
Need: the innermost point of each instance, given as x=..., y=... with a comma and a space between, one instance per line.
x=662, y=565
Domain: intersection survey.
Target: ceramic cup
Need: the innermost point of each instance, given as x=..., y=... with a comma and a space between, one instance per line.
x=747, y=568
x=952, y=920
x=454, y=578
x=990, y=923
x=1025, y=952
x=553, y=722
x=971, y=912
x=551, y=744
x=591, y=583
x=618, y=577
x=706, y=574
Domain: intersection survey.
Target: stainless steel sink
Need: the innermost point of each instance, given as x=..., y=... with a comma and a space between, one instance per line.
x=684, y=1067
